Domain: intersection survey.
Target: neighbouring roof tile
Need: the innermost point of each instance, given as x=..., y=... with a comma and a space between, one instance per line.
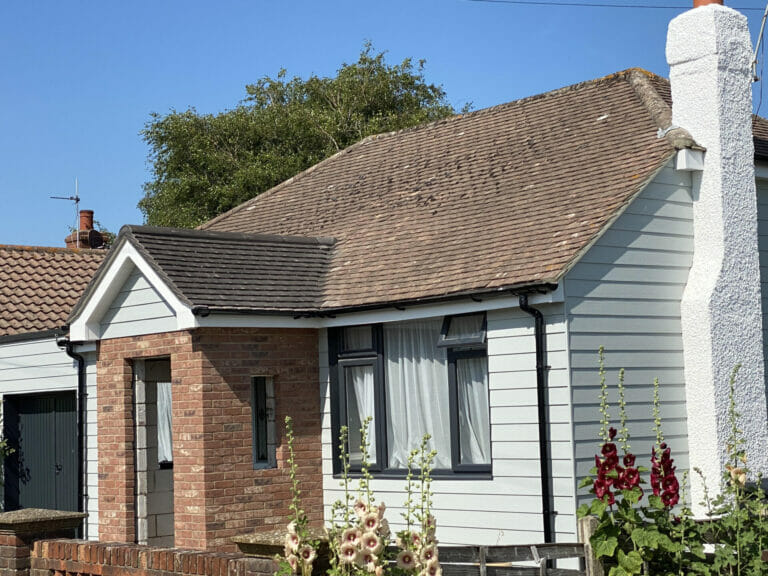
x=39, y=286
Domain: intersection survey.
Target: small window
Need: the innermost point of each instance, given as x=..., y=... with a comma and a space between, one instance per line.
x=164, y=425
x=263, y=422
x=463, y=330
x=356, y=338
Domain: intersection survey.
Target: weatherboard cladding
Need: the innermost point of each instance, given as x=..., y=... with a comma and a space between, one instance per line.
x=39, y=286
x=237, y=272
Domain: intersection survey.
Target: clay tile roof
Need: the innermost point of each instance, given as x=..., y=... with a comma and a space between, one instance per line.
x=500, y=198
x=236, y=272
x=39, y=286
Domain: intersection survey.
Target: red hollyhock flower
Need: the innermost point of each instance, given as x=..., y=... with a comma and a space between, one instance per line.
x=670, y=483
x=609, y=449
x=670, y=499
x=629, y=460
x=601, y=488
x=631, y=477
x=611, y=433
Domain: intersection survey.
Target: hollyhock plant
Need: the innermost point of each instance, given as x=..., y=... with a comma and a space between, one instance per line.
x=359, y=533
x=300, y=552
x=663, y=480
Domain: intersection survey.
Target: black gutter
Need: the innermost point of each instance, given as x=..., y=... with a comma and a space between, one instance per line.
x=203, y=310
x=28, y=336
x=542, y=371
x=82, y=397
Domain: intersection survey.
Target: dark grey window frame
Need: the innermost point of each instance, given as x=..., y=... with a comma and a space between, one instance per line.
x=478, y=341
x=338, y=359
x=455, y=354
x=262, y=431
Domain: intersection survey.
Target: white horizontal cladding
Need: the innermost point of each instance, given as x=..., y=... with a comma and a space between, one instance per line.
x=625, y=295
x=504, y=507
x=30, y=366
x=40, y=366
x=90, y=323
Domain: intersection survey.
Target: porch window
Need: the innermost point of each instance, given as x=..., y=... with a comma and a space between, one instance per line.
x=164, y=425
x=414, y=378
x=263, y=422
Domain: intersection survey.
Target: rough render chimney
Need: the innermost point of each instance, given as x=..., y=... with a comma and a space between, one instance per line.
x=709, y=53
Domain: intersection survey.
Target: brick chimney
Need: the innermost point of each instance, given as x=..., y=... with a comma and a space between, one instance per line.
x=89, y=238
x=710, y=56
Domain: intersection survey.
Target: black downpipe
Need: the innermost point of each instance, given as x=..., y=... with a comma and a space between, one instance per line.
x=541, y=394
x=82, y=397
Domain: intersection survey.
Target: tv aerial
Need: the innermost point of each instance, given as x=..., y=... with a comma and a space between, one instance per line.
x=76, y=200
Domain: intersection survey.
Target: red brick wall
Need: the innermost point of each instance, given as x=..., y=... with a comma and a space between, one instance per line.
x=70, y=557
x=217, y=493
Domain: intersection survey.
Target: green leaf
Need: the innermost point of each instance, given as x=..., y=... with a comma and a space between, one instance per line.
x=583, y=511
x=632, y=562
x=645, y=537
x=604, y=546
x=655, y=502
x=586, y=481
x=598, y=507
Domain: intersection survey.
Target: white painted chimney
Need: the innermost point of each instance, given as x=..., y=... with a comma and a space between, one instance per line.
x=709, y=53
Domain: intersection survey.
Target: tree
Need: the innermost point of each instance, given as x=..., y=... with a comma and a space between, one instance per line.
x=205, y=164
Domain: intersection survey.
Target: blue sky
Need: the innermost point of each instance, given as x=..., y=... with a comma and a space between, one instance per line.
x=79, y=79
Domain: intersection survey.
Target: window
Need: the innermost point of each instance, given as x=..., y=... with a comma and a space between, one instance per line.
x=164, y=425
x=263, y=422
x=414, y=378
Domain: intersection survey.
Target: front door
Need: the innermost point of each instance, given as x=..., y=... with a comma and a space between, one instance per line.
x=42, y=471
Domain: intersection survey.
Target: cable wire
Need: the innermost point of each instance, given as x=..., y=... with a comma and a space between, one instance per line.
x=598, y=4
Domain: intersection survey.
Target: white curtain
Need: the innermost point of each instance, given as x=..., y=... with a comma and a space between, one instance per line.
x=164, y=419
x=474, y=415
x=417, y=391
x=360, y=405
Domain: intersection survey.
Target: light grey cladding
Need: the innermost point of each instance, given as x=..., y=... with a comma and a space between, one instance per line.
x=137, y=309
x=762, y=240
x=40, y=366
x=624, y=294
x=504, y=509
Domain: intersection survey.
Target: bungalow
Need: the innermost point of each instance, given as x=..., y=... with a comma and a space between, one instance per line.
x=454, y=279
x=48, y=399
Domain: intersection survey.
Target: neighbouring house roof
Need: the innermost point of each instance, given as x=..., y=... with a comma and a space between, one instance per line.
x=506, y=198
x=39, y=286
x=231, y=272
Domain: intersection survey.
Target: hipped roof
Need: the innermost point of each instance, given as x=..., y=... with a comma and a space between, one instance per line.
x=506, y=198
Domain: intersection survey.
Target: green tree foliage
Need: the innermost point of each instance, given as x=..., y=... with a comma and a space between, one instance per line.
x=205, y=164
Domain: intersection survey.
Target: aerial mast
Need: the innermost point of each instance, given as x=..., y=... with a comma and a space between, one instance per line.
x=76, y=200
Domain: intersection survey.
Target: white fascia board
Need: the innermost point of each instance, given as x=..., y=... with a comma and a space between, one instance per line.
x=390, y=314
x=85, y=327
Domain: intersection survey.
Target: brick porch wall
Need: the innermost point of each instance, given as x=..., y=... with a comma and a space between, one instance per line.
x=217, y=493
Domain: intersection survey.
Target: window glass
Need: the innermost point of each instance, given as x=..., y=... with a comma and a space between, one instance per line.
x=263, y=422
x=357, y=338
x=164, y=420
x=360, y=404
x=474, y=415
x=416, y=377
x=466, y=327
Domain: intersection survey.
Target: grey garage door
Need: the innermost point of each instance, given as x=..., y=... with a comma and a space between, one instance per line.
x=42, y=472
